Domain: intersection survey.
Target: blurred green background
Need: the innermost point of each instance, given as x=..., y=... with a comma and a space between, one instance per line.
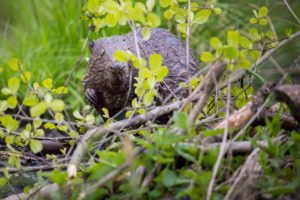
x=47, y=36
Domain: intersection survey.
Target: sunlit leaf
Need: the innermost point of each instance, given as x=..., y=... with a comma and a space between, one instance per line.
x=38, y=109
x=12, y=102
x=153, y=20
x=31, y=100
x=202, y=16
x=207, y=57
x=57, y=105
x=121, y=56
x=262, y=12
x=13, y=85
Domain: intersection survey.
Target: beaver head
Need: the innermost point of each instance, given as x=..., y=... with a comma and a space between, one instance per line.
x=104, y=73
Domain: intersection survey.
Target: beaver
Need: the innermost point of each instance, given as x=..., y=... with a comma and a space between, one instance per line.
x=107, y=81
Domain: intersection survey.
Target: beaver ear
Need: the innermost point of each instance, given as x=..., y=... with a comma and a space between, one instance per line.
x=91, y=46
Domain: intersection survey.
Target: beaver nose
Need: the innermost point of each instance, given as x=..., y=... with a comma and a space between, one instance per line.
x=118, y=66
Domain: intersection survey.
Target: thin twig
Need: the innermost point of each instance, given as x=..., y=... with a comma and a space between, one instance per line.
x=291, y=11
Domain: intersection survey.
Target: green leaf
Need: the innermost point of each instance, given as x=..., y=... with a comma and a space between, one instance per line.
x=15, y=64
x=13, y=85
x=231, y=53
x=245, y=43
x=215, y=43
x=146, y=33
x=165, y=3
x=59, y=177
x=59, y=117
x=121, y=56
x=39, y=133
x=47, y=83
x=151, y=82
x=38, y=109
x=6, y=91
x=62, y=90
x=12, y=102
x=255, y=55
x=254, y=33
x=57, y=105
x=263, y=22
x=217, y=11
x=3, y=182
x=49, y=126
x=253, y=20
x=37, y=123
x=145, y=73
x=9, y=123
x=111, y=20
x=181, y=28
x=207, y=57
x=202, y=16
x=169, y=178
x=233, y=38
x=153, y=20
x=148, y=98
x=168, y=14
x=262, y=12
x=31, y=100
x=214, y=132
x=181, y=120
x=155, y=61
x=90, y=119
x=245, y=63
x=136, y=14
x=111, y=7
x=26, y=76
x=162, y=72
x=150, y=4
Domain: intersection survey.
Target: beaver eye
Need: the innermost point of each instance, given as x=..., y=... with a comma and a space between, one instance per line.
x=102, y=52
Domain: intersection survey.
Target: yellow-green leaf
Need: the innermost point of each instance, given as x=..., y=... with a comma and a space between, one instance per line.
x=15, y=64
x=262, y=12
x=233, y=38
x=47, y=83
x=49, y=125
x=145, y=73
x=111, y=7
x=155, y=61
x=148, y=98
x=153, y=20
x=150, y=4
x=38, y=109
x=146, y=33
x=36, y=146
x=31, y=100
x=26, y=76
x=59, y=117
x=13, y=85
x=263, y=22
x=245, y=43
x=12, y=102
x=121, y=56
x=202, y=16
x=57, y=105
x=162, y=72
x=215, y=43
x=207, y=57
x=165, y=3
